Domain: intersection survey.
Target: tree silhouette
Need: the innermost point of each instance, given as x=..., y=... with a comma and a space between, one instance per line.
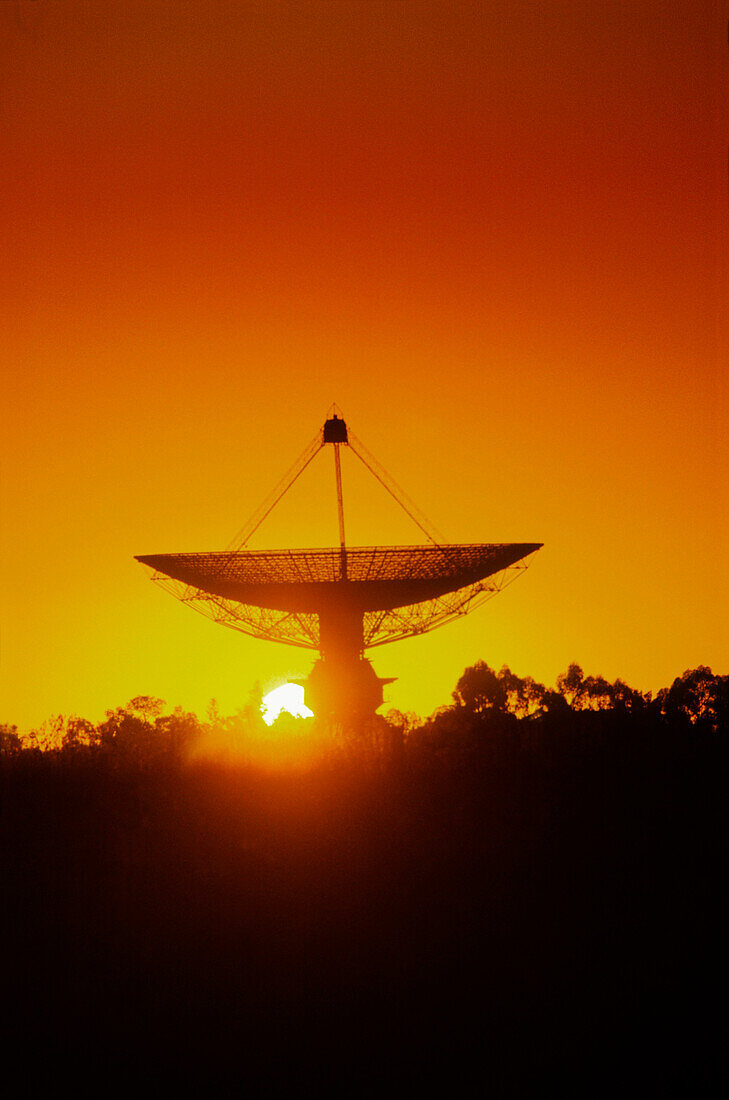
x=10, y=740
x=78, y=732
x=698, y=698
x=479, y=690
x=523, y=694
x=624, y=698
x=571, y=685
x=142, y=733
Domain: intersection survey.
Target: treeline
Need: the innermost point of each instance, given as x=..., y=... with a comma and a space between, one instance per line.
x=697, y=700
x=521, y=894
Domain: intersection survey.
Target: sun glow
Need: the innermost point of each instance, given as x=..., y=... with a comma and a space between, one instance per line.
x=287, y=697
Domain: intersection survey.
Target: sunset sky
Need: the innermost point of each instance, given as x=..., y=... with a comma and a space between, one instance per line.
x=495, y=233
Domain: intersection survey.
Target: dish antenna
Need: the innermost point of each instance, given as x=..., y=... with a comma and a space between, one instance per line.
x=340, y=600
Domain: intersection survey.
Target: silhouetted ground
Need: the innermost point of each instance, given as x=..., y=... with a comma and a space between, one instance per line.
x=535, y=903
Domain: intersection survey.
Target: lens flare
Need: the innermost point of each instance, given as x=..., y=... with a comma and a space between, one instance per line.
x=287, y=697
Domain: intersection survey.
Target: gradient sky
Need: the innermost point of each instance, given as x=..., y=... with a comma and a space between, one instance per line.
x=494, y=233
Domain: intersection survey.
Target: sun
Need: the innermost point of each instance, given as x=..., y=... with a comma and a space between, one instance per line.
x=288, y=697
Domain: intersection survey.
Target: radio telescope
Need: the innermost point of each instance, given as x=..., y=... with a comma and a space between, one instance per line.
x=340, y=600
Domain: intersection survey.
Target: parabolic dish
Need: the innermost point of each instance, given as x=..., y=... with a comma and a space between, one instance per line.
x=399, y=590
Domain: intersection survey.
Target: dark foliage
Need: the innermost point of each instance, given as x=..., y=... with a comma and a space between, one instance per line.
x=525, y=888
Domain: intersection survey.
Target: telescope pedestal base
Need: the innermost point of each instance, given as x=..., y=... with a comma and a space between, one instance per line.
x=344, y=691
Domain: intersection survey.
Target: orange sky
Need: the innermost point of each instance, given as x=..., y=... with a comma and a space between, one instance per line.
x=494, y=233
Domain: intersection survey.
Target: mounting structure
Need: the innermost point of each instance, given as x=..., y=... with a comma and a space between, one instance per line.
x=339, y=601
